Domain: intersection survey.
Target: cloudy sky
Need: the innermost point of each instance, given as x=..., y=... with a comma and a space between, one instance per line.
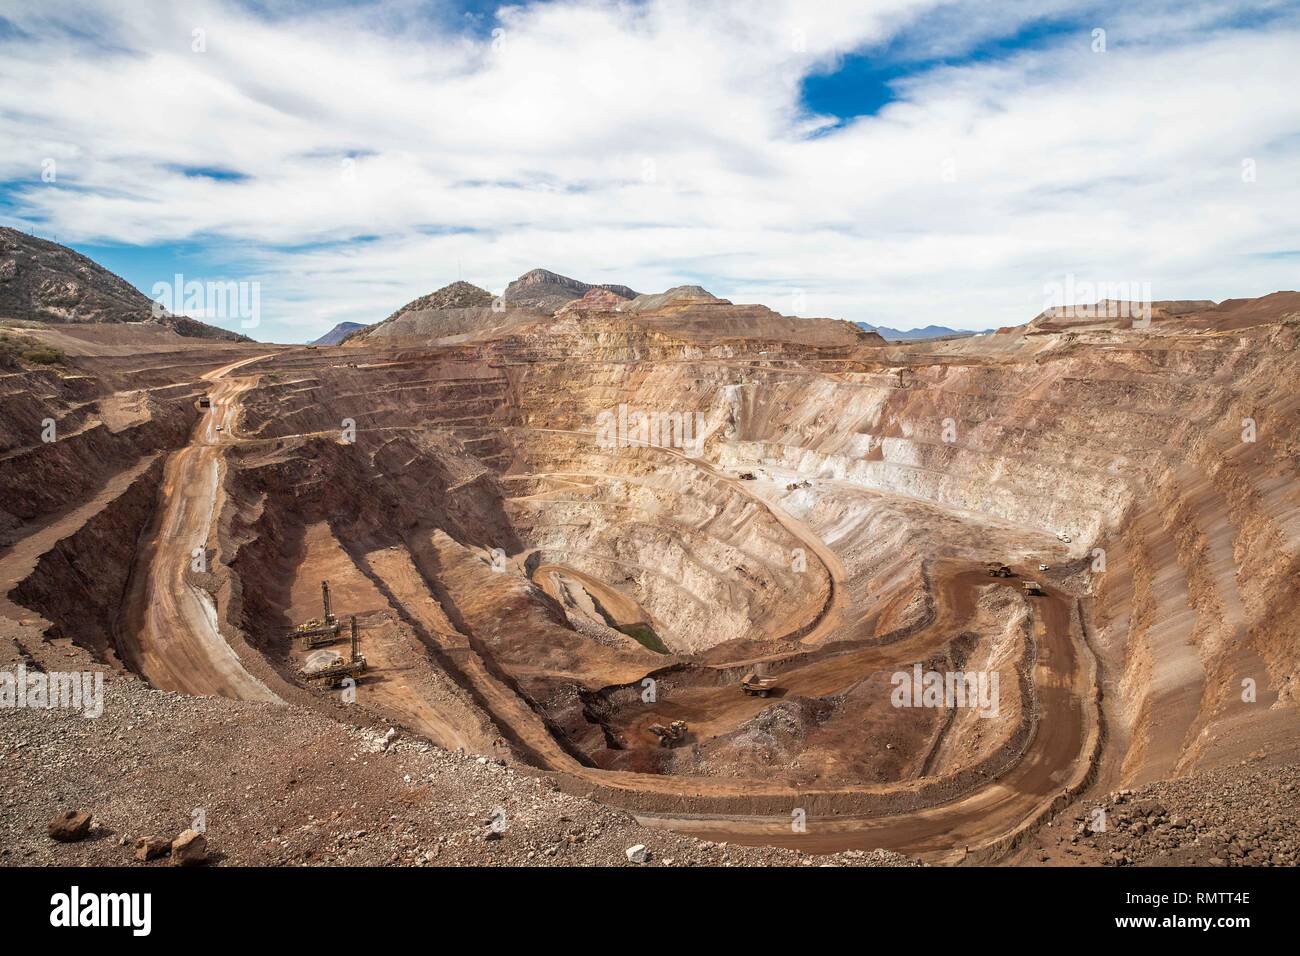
x=898, y=162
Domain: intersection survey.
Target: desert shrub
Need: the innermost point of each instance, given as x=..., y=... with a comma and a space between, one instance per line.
x=43, y=356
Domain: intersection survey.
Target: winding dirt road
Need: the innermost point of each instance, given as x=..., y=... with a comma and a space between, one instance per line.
x=169, y=631
x=1056, y=760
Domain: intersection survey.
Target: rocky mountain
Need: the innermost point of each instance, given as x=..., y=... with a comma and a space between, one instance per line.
x=545, y=291
x=463, y=309
x=454, y=310
x=458, y=295
x=43, y=281
x=337, y=334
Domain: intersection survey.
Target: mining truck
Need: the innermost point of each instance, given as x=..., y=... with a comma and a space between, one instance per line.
x=756, y=685
x=999, y=571
x=334, y=674
x=323, y=630
x=671, y=734
x=1033, y=589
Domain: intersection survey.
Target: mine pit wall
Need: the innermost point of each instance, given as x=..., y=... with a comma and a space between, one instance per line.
x=1202, y=587
x=1186, y=522
x=259, y=540
x=374, y=490
x=886, y=590
x=1091, y=438
x=27, y=397
x=79, y=585
x=892, y=441
x=386, y=490
x=417, y=390
x=709, y=562
x=40, y=479
x=710, y=565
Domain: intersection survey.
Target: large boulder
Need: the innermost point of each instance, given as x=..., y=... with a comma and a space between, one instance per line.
x=70, y=826
x=190, y=849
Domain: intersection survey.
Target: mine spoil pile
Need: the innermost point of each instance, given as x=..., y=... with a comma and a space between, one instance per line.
x=557, y=604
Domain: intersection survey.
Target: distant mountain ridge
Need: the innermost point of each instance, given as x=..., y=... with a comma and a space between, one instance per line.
x=463, y=309
x=461, y=312
x=337, y=334
x=43, y=281
x=913, y=335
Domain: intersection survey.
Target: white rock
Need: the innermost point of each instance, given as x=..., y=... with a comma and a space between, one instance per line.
x=637, y=853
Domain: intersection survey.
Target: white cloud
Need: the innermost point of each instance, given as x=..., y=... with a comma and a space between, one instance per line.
x=663, y=142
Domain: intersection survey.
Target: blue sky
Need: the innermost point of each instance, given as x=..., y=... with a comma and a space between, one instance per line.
x=865, y=81
x=899, y=162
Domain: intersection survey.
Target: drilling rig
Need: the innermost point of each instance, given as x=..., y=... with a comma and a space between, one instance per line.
x=332, y=675
x=320, y=631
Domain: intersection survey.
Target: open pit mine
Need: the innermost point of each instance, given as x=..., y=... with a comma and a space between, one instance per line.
x=579, y=575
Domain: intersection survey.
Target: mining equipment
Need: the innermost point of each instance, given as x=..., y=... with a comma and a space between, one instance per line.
x=747, y=476
x=673, y=733
x=1033, y=589
x=320, y=631
x=999, y=571
x=205, y=402
x=756, y=685
x=334, y=674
